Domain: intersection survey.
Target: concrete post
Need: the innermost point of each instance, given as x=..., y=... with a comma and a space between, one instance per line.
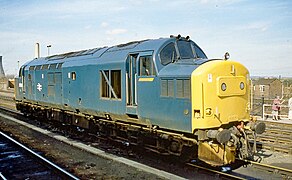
x=263, y=110
x=290, y=109
x=2, y=74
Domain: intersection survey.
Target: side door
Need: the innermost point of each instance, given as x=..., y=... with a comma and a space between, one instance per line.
x=132, y=70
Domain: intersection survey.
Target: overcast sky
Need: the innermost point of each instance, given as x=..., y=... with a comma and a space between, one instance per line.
x=256, y=33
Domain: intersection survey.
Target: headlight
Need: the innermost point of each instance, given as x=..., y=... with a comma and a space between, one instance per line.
x=241, y=85
x=223, y=87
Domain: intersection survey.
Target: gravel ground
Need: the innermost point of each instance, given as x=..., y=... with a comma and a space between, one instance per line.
x=76, y=161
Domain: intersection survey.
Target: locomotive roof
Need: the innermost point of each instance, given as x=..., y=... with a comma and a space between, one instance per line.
x=118, y=54
x=105, y=54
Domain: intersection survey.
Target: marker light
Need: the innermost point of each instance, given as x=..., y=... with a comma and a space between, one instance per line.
x=241, y=85
x=226, y=56
x=223, y=87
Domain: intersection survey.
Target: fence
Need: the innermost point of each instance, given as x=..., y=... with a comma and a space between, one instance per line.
x=262, y=107
x=282, y=113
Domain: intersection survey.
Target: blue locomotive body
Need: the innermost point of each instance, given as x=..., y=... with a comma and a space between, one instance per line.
x=163, y=94
x=123, y=81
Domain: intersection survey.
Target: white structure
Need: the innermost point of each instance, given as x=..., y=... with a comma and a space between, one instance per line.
x=37, y=50
x=290, y=108
x=2, y=74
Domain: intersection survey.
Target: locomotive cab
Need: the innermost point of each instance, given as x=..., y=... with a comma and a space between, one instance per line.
x=220, y=103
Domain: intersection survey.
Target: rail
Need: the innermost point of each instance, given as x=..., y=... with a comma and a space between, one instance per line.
x=64, y=174
x=285, y=173
x=217, y=173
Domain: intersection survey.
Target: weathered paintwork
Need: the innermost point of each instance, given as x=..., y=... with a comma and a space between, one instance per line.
x=84, y=93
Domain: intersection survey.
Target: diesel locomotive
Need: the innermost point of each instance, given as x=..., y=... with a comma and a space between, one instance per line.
x=163, y=94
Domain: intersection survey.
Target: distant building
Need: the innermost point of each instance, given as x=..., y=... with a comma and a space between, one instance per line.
x=267, y=88
x=287, y=83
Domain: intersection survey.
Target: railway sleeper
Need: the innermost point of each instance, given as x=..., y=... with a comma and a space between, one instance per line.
x=280, y=132
x=277, y=148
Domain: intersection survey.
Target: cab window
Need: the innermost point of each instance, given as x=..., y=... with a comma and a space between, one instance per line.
x=168, y=54
x=21, y=72
x=185, y=49
x=199, y=52
x=146, y=66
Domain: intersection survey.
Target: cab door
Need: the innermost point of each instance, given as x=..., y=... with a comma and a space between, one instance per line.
x=131, y=73
x=19, y=84
x=132, y=70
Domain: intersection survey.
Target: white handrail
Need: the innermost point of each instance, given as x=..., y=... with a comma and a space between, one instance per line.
x=270, y=114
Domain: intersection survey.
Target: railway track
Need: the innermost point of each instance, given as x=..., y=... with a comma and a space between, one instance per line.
x=277, y=137
x=197, y=170
x=218, y=174
x=283, y=172
x=19, y=162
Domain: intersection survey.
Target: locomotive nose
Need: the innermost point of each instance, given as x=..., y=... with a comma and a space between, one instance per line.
x=220, y=94
x=220, y=99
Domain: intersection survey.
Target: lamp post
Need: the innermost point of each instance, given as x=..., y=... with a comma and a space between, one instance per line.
x=49, y=46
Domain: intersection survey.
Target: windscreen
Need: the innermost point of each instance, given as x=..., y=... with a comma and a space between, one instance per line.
x=185, y=49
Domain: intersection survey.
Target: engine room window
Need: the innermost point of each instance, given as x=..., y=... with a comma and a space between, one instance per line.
x=52, y=66
x=73, y=75
x=116, y=83
x=168, y=54
x=45, y=66
x=146, y=66
x=31, y=68
x=183, y=88
x=38, y=67
x=59, y=66
x=104, y=84
x=111, y=84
